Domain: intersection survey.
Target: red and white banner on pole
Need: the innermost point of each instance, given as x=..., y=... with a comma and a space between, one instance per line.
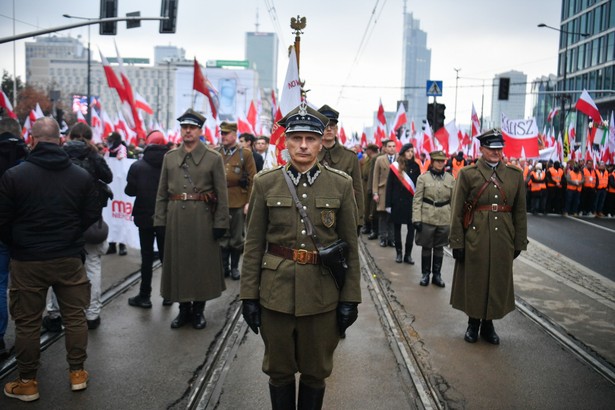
x=520, y=138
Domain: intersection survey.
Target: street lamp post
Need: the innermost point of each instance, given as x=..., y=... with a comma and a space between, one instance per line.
x=562, y=120
x=457, y=70
x=88, y=116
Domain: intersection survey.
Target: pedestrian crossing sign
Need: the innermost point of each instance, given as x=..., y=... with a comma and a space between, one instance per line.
x=434, y=88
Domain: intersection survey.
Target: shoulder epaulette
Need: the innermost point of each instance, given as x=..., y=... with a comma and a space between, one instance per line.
x=268, y=171
x=516, y=168
x=338, y=172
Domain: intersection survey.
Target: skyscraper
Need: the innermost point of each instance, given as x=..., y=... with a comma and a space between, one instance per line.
x=514, y=106
x=416, y=64
x=262, y=54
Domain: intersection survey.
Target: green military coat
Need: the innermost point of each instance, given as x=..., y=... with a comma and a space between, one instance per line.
x=346, y=160
x=281, y=284
x=192, y=267
x=436, y=188
x=234, y=167
x=483, y=282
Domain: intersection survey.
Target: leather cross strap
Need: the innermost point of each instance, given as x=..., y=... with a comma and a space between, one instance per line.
x=301, y=256
x=494, y=208
x=189, y=197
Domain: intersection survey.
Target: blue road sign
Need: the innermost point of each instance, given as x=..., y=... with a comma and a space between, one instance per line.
x=434, y=88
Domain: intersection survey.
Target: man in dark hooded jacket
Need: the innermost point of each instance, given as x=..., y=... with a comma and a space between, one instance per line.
x=46, y=203
x=142, y=183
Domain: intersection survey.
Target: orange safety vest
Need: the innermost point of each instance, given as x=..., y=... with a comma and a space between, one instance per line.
x=575, y=176
x=556, y=177
x=456, y=166
x=423, y=166
x=611, y=190
x=539, y=185
x=526, y=171
x=603, y=178
x=590, y=178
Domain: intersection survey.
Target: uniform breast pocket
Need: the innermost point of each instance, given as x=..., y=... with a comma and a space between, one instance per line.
x=327, y=211
x=280, y=210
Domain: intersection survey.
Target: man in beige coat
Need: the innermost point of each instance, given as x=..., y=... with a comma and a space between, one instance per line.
x=379, y=186
x=287, y=293
x=192, y=203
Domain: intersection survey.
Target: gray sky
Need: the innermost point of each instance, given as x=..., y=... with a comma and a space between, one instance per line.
x=482, y=37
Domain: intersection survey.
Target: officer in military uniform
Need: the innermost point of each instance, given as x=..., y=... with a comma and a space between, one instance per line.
x=240, y=168
x=286, y=291
x=495, y=233
x=339, y=157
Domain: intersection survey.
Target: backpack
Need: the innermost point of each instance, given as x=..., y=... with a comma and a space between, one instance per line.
x=13, y=150
x=103, y=191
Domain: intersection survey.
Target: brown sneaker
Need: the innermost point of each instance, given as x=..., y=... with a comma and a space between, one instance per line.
x=22, y=390
x=78, y=380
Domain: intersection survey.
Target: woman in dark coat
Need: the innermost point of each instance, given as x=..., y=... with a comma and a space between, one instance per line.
x=400, y=188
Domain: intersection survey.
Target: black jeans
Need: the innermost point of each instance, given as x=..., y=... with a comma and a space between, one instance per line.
x=146, y=239
x=409, y=238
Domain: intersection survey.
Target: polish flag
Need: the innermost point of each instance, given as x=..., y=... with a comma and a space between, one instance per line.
x=291, y=90
x=427, y=145
x=400, y=118
x=552, y=114
x=142, y=104
x=363, y=142
x=448, y=137
x=252, y=117
x=342, y=135
x=381, y=117
x=476, y=130
x=243, y=125
x=107, y=124
x=130, y=99
x=6, y=104
x=586, y=105
x=277, y=144
x=112, y=80
x=201, y=84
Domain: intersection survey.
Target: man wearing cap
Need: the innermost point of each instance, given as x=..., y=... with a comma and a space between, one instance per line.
x=431, y=216
x=240, y=168
x=142, y=183
x=494, y=234
x=286, y=291
x=192, y=205
x=335, y=155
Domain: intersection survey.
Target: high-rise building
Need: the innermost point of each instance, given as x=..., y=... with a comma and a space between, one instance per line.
x=162, y=54
x=262, y=54
x=416, y=63
x=514, y=106
x=543, y=99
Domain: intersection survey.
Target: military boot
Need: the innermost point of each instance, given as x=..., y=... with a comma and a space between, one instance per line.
x=437, y=266
x=425, y=269
x=282, y=397
x=235, y=255
x=487, y=332
x=310, y=398
x=398, y=254
x=408, y=254
x=226, y=253
x=184, y=316
x=471, y=335
x=198, y=315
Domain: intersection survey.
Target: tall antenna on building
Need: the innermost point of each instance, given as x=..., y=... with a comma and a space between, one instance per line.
x=257, y=24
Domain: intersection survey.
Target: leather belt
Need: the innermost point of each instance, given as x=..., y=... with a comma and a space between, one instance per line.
x=494, y=208
x=301, y=256
x=188, y=197
x=436, y=204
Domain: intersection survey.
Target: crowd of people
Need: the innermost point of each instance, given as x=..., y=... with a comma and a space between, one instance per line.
x=229, y=200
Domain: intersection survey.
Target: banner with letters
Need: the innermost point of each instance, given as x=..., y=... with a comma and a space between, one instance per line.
x=520, y=137
x=118, y=212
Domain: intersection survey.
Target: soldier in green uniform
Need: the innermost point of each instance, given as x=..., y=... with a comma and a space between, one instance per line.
x=286, y=291
x=339, y=157
x=485, y=248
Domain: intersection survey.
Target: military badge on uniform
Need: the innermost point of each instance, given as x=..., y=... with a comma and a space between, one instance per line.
x=328, y=217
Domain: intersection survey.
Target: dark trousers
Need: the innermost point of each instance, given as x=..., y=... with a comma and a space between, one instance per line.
x=146, y=239
x=599, y=200
x=28, y=294
x=555, y=199
x=409, y=238
x=538, y=201
x=587, y=200
x=385, y=226
x=572, y=201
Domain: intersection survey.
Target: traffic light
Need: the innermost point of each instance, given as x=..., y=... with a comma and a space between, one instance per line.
x=168, y=9
x=503, y=88
x=431, y=114
x=439, y=119
x=108, y=8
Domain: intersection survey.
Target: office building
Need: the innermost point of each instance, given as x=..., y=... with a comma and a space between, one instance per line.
x=514, y=106
x=262, y=56
x=416, y=63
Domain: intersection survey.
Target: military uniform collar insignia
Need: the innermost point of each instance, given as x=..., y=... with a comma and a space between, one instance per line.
x=295, y=175
x=229, y=151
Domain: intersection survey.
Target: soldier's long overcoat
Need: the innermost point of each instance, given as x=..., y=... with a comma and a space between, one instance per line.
x=483, y=282
x=192, y=267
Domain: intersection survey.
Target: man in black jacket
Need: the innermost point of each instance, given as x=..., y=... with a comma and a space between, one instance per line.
x=142, y=183
x=46, y=203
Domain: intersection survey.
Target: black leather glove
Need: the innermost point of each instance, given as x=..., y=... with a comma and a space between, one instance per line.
x=459, y=254
x=517, y=253
x=347, y=314
x=219, y=233
x=418, y=226
x=251, y=311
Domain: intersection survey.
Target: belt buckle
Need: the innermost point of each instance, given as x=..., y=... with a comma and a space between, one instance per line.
x=494, y=207
x=184, y=196
x=300, y=256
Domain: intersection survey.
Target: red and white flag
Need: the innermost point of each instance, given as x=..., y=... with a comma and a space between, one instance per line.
x=382, y=119
x=552, y=114
x=81, y=118
x=201, y=84
x=291, y=89
x=252, y=118
x=586, y=105
x=475, y=123
x=142, y=104
x=427, y=144
x=6, y=104
x=520, y=137
x=107, y=124
x=112, y=80
x=448, y=137
x=400, y=118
